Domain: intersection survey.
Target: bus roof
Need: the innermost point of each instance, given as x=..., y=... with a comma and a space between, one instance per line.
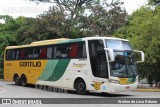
x=48, y=41
x=112, y=38
x=62, y=40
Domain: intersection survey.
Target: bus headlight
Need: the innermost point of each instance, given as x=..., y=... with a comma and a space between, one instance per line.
x=114, y=81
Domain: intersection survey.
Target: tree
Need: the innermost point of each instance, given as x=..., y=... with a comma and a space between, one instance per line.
x=154, y=2
x=25, y=31
x=73, y=6
x=105, y=19
x=13, y=32
x=7, y=18
x=71, y=18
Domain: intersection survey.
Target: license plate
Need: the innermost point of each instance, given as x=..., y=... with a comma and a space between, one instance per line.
x=127, y=87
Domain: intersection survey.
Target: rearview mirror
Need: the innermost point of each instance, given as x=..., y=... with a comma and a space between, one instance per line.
x=110, y=54
x=142, y=56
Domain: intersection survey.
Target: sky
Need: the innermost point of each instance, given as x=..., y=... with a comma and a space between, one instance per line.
x=132, y=5
x=26, y=8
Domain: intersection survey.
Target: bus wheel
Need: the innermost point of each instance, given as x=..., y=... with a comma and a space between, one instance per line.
x=17, y=80
x=24, y=80
x=80, y=87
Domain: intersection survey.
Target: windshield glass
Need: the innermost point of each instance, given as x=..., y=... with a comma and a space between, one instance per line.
x=118, y=45
x=124, y=64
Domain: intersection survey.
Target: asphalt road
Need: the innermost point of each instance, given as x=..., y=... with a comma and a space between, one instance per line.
x=9, y=90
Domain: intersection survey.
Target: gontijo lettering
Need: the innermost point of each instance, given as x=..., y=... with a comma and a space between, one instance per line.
x=30, y=64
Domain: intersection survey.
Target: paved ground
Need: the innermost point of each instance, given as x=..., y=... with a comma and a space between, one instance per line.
x=9, y=90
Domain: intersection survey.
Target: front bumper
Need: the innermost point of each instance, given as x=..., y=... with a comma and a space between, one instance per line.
x=112, y=87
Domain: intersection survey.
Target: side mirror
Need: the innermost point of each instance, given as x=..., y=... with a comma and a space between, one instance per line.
x=142, y=56
x=110, y=54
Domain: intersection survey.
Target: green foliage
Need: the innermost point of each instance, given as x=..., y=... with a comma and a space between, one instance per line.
x=25, y=33
x=105, y=19
x=12, y=32
x=73, y=19
x=143, y=31
x=7, y=32
x=7, y=18
x=154, y=2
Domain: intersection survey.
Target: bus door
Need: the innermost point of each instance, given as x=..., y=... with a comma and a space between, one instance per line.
x=98, y=59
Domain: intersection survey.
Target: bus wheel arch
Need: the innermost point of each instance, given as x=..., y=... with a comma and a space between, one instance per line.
x=23, y=80
x=16, y=79
x=80, y=86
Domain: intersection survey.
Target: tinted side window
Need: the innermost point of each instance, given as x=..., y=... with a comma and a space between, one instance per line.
x=73, y=50
x=30, y=53
x=17, y=54
x=82, y=50
x=36, y=52
x=77, y=50
x=61, y=51
x=43, y=53
x=9, y=54
x=13, y=54
x=49, y=52
x=40, y=52
x=23, y=54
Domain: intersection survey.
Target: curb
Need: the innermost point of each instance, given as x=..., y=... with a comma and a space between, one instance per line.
x=147, y=90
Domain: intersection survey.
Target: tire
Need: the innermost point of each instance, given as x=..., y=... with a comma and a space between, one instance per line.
x=23, y=80
x=17, y=80
x=80, y=87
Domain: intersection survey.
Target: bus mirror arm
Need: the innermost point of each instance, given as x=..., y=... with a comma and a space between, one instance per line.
x=110, y=54
x=142, y=56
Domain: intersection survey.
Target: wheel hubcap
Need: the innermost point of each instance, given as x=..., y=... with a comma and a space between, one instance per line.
x=81, y=86
x=17, y=79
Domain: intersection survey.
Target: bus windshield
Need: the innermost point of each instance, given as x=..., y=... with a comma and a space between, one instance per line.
x=118, y=45
x=124, y=64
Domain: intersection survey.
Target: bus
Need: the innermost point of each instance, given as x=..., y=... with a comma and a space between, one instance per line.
x=90, y=64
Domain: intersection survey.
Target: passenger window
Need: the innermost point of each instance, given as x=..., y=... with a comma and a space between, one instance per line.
x=17, y=54
x=82, y=51
x=33, y=53
x=61, y=51
x=43, y=53
x=23, y=54
x=77, y=50
x=36, y=53
x=73, y=50
x=10, y=54
x=30, y=53
x=49, y=52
